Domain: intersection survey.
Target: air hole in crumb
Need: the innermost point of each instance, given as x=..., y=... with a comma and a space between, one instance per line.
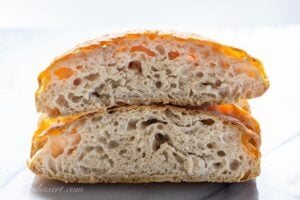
x=173, y=85
x=131, y=124
x=88, y=149
x=212, y=64
x=77, y=81
x=96, y=119
x=115, y=84
x=241, y=157
x=71, y=150
x=104, y=157
x=211, y=145
x=208, y=122
x=111, y=64
x=79, y=67
x=116, y=123
x=162, y=138
x=139, y=149
x=199, y=74
x=100, y=88
x=131, y=138
x=95, y=93
x=178, y=158
x=158, y=84
x=191, y=93
x=154, y=69
x=99, y=149
x=144, y=155
x=76, y=99
x=218, y=83
x=111, y=163
x=61, y=101
x=159, y=139
x=221, y=153
x=149, y=122
x=156, y=75
x=168, y=71
x=122, y=152
x=234, y=165
x=92, y=77
x=113, y=144
x=218, y=165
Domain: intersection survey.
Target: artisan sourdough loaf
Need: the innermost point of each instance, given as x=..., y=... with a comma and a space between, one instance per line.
x=148, y=106
x=150, y=67
x=141, y=144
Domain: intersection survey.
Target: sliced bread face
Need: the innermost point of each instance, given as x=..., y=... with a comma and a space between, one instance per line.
x=144, y=68
x=142, y=144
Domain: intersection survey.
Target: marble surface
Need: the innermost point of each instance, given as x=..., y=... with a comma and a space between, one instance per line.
x=23, y=53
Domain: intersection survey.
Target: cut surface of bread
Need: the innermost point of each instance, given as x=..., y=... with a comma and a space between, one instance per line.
x=142, y=144
x=150, y=67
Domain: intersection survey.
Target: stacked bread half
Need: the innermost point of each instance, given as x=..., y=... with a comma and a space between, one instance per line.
x=148, y=106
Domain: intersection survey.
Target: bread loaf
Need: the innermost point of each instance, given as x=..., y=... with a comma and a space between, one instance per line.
x=148, y=106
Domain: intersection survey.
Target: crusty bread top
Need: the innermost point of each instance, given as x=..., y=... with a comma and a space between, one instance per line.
x=227, y=112
x=117, y=39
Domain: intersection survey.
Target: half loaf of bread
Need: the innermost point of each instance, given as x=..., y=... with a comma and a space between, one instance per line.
x=150, y=67
x=141, y=144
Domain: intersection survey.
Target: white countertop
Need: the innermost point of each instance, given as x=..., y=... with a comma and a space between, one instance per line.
x=25, y=52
